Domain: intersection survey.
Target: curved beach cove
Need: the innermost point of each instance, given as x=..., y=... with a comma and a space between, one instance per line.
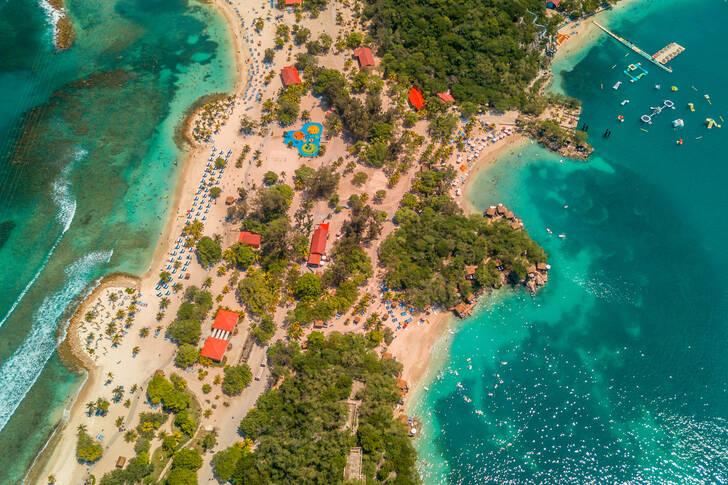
x=88, y=169
x=616, y=371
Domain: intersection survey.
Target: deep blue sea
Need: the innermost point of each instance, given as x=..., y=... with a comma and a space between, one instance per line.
x=88, y=162
x=617, y=371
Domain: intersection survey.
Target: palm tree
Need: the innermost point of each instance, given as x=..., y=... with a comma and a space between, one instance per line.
x=207, y=283
x=134, y=388
x=176, y=287
x=164, y=276
x=160, y=315
x=143, y=332
x=113, y=297
x=82, y=428
x=135, y=351
x=110, y=375
x=164, y=303
x=118, y=393
x=90, y=407
x=51, y=479
x=116, y=339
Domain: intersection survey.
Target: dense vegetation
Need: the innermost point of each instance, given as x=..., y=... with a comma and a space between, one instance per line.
x=87, y=449
x=426, y=256
x=186, y=329
x=298, y=428
x=146, y=466
x=484, y=51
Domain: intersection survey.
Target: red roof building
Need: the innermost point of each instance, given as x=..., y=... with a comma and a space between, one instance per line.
x=225, y=320
x=416, y=99
x=446, y=97
x=293, y=2
x=318, y=244
x=214, y=348
x=364, y=55
x=289, y=74
x=252, y=239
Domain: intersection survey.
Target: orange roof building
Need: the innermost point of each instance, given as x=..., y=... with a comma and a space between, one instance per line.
x=252, y=239
x=416, y=99
x=318, y=244
x=214, y=348
x=446, y=97
x=293, y=2
x=364, y=55
x=226, y=321
x=289, y=74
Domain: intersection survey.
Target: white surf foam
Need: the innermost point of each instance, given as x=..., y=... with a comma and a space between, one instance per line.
x=53, y=15
x=21, y=370
x=66, y=204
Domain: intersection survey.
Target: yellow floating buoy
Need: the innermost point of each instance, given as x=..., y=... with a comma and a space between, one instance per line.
x=674, y=88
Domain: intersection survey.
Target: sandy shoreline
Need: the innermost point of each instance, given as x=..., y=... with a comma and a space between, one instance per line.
x=70, y=349
x=412, y=346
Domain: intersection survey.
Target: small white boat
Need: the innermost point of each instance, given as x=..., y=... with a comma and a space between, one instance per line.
x=562, y=236
x=657, y=86
x=549, y=230
x=616, y=86
x=625, y=101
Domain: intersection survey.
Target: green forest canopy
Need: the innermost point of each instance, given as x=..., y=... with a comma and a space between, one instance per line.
x=298, y=427
x=485, y=51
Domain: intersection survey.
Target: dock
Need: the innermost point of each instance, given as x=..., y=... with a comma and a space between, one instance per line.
x=663, y=56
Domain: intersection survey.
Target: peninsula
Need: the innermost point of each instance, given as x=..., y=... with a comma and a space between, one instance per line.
x=319, y=245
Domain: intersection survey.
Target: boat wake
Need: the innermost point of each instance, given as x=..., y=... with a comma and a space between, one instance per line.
x=66, y=204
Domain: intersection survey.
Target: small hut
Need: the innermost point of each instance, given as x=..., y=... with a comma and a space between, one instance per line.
x=542, y=267
x=229, y=200
x=318, y=324
x=470, y=272
x=501, y=210
x=490, y=211
x=120, y=462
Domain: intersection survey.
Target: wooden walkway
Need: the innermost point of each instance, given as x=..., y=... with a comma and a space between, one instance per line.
x=630, y=45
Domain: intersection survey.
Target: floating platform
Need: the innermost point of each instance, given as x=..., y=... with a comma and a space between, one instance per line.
x=656, y=110
x=635, y=72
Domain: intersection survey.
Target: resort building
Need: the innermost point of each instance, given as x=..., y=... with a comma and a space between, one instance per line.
x=364, y=56
x=416, y=99
x=553, y=4
x=222, y=329
x=446, y=97
x=318, y=245
x=289, y=74
x=252, y=239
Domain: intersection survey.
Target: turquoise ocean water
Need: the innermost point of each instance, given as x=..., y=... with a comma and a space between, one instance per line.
x=617, y=371
x=87, y=156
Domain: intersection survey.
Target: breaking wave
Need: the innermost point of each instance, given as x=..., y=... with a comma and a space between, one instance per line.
x=21, y=370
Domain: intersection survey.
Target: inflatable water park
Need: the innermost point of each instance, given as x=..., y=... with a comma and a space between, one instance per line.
x=307, y=140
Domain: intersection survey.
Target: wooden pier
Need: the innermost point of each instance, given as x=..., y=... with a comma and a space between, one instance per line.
x=663, y=56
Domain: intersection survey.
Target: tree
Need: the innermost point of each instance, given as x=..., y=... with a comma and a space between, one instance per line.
x=270, y=177
x=225, y=461
x=164, y=276
x=208, y=250
x=269, y=55
x=308, y=287
x=187, y=355
x=87, y=449
x=240, y=255
x=182, y=476
x=359, y=178
x=188, y=458
x=215, y=192
x=185, y=331
x=236, y=379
